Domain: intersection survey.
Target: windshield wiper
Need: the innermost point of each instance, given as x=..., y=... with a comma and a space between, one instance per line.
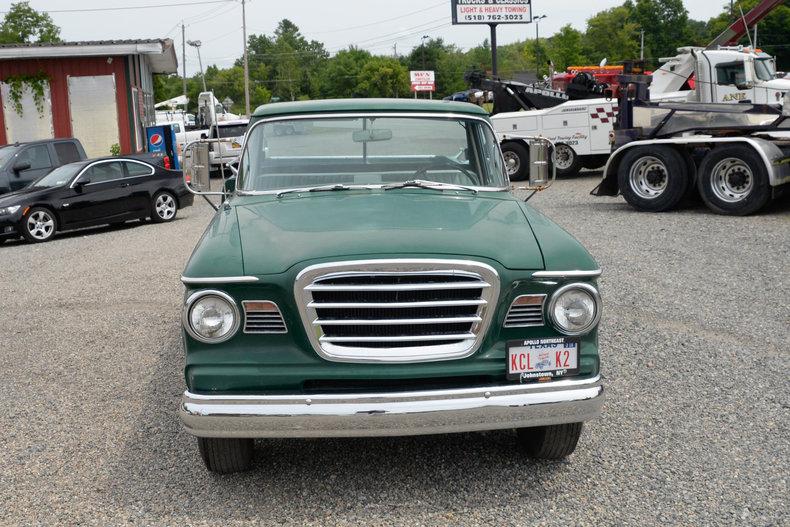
x=325, y=188
x=433, y=185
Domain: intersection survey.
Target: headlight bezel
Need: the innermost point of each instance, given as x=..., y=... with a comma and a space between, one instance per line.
x=7, y=211
x=189, y=304
x=588, y=288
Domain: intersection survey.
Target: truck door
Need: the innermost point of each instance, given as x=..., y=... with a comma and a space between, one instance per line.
x=31, y=164
x=731, y=83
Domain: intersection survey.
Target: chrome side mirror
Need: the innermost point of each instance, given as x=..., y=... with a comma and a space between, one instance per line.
x=196, y=169
x=539, y=163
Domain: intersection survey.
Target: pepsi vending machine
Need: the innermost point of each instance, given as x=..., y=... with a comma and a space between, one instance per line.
x=162, y=143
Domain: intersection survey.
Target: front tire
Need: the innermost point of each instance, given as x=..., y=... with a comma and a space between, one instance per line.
x=566, y=160
x=164, y=207
x=516, y=160
x=733, y=180
x=226, y=456
x=653, y=179
x=549, y=442
x=39, y=225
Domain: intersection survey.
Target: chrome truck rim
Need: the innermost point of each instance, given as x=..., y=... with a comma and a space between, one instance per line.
x=731, y=180
x=40, y=225
x=563, y=156
x=165, y=206
x=648, y=177
x=512, y=162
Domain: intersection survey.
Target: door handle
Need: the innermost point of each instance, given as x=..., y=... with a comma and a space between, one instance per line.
x=124, y=185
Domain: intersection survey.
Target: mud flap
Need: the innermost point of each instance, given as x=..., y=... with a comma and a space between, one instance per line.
x=607, y=187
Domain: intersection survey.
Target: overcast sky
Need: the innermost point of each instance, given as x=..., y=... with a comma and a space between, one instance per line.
x=376, y=25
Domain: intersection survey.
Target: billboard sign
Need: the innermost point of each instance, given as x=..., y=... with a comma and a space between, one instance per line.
x=492, y=11
x=422, y=81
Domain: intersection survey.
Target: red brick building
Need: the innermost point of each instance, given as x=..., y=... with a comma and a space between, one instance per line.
x=100, y=92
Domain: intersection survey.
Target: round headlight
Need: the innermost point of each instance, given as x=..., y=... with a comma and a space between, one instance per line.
x=575, y=308
x=211, y=316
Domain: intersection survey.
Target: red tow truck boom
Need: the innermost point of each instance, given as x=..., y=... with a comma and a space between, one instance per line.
x=738, y=29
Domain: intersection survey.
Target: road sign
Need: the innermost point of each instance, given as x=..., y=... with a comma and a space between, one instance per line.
x=422, y=81
x=492, y=11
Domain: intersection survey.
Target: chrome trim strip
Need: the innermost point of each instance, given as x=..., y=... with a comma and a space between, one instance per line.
x=398, y=287
x=393, y=413
x=349, y=115
x=436, y=303
x=566, y=274
x=197, y=295
x=395, y=321
x=219, y=280
x=331, y=349
x=104, y=162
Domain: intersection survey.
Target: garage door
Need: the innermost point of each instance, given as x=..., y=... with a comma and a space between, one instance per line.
x=34, y=121
x=94, y=113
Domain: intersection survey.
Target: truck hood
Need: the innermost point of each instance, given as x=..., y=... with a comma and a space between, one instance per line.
x=776, y=84
x=276, y=234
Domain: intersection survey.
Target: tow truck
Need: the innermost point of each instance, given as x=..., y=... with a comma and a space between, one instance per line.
x=580, y=129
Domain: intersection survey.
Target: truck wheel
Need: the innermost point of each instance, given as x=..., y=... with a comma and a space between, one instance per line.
x=733, y=180
x=566, y=160
x=653, y=179
x=549, y=442
x=516, y=160
x=225, y=456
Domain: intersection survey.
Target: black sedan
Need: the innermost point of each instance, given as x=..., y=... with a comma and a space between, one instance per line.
x=89, y=193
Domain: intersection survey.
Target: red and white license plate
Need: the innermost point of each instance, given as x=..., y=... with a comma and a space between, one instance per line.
x=542, y=358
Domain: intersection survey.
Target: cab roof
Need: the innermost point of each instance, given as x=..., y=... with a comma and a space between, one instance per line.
x=366, y=105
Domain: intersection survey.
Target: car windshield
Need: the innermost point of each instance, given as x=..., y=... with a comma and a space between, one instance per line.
x=58, y=177
x=370, y=151
x=7, y=152
x=764, y=69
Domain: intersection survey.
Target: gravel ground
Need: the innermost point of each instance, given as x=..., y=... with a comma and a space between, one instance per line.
x=695, y=429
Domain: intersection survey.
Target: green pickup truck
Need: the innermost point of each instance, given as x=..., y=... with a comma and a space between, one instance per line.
x=373, y=275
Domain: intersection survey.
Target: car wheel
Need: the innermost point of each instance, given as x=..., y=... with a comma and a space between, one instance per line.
x=226, y=456
x=549, y=442
x=565, y=160
x=653, y=179
x=39, y=225
x=516, y=160
x=165, y=207
x=733, y=181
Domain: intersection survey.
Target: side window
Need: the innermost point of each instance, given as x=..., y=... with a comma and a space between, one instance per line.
x=176, y=128
x=104, y=172
x=37, y=156
x=730, y=74
x=137, y=169
x=67, y=152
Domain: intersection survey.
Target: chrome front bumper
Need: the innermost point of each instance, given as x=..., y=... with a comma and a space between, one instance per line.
x=392, y=414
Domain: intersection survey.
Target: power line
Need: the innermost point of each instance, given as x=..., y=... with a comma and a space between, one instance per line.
x=127, y=8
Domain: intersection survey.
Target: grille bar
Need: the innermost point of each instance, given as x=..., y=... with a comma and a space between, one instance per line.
x=395, y=321
x=398, y=287
x=435, y=303
x=402, y=338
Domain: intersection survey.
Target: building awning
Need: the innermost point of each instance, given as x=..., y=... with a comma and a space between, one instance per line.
x=161, y=53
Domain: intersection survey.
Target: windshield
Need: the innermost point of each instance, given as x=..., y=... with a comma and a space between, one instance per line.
x=6, y=153
x=232, y=131
x=368, y=151
x=764, y=69
x=58, y=177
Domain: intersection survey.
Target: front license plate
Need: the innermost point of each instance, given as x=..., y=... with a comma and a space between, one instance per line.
x=542, y=358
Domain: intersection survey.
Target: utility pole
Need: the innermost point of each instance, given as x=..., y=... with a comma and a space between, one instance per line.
x=537, y=20
x=196, y=44
x=246, y=63
x=494, y=69
x=184, y=58
x=642, y=44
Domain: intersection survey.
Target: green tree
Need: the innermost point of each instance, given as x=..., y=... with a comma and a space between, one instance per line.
x=383, y=77
x=611, y=34
x=666, y=26
x=341, y=74
x=565, y=48
x=24, y=25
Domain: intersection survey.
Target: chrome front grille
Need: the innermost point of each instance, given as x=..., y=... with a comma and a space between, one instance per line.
x=397, y=310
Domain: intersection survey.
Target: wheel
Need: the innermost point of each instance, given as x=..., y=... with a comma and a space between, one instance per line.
x=516, y=160
x=165, y=207
x=566, y=160
x=225, y=456
x=549, y=442
x=593, y=162
x=733, y=180
x=39, y=225
x=653, y=178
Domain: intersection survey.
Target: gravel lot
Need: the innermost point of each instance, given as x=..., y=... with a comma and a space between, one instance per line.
x=695, y=429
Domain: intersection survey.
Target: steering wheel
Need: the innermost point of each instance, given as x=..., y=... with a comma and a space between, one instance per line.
x=471, y=175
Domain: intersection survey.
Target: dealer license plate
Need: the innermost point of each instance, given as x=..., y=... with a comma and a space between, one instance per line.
x=542, y=358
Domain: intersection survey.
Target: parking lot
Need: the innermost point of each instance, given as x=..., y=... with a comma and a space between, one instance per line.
x=695, y=428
